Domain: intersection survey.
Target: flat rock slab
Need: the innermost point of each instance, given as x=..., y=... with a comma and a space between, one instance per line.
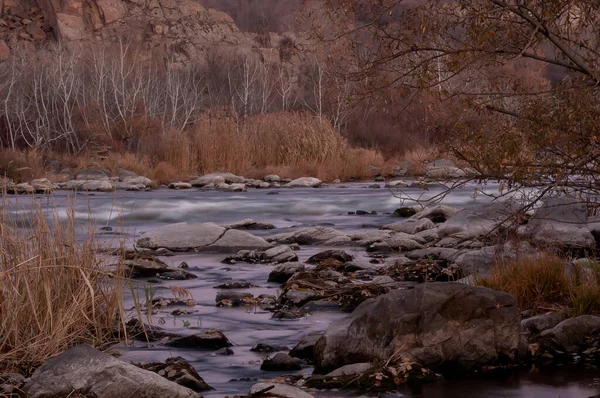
x=201, y=236
x=89, y=372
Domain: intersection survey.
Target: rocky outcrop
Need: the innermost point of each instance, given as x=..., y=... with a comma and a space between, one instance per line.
x=85, y=371
x=439, y=325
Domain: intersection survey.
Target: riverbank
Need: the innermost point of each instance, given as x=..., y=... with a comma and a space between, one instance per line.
x=290, y=211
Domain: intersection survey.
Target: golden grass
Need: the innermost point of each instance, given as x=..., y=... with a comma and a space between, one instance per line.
x=545, y=282
x=53, y=292
x=289, y=144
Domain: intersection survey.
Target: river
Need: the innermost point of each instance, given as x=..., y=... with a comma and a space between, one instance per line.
x=131, y=213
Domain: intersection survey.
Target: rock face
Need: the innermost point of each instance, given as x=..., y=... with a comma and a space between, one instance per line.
x=201, y=236
x=89, y=372
x=561, y=222
x=439, y=325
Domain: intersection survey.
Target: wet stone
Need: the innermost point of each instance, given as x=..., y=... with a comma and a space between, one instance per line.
x=281, y=361
x=212, y=339
x=234, y=299
x=235, y=285
x=261, y=347
x=180, y=371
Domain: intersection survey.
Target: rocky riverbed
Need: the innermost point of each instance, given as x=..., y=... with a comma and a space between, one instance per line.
x=329, y=277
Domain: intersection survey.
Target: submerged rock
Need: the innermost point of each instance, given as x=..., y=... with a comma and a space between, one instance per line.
x=179, y=371
x=89, y=372
x=283, y=272
x=438, y=325
x=211, y=339
x=281, y=361
x=250, y=224
x=277, y=390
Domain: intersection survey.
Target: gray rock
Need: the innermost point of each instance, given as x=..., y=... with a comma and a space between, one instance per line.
x=238, y=187
x=307, y=182
x=440, y=253
x=125, y=174
x=93, y=174
x=200, y=236
x=305, y=349
x=272, y=178
x=396, y=184
x=98, y=185
x=312, y=236
x=443, y=169
x=279, y=254
x=180, y=185
x=87, y=371
x=283, y=272
x=216, y=179
x=434, y=324
x=570, y=334
x=43, y=185
x=234, y=240
x=338, y=255
x=403, y=244
x=277, y=390
x=410, y=226
x=250, y=224
x=181, y=236
x=537, y=324
x=348, y=370
x=479, y=220
x=281, y=361
x=212, y=339
x=437, y=214
x=235, y=299
x=561, y=222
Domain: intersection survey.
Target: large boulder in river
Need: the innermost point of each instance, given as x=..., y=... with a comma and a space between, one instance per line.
x=85, y=371
x=98, y=185
x=479, y=220
x=200, y=236
x=308, y=182
x=561, y=222
x=439, y=325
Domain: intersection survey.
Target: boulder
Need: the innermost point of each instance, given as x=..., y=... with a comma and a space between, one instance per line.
x=352, y=369
x=439, y=325
x=43, y=185
x=338, y=255
x=570, y=334
x=437, y=214
x=411, y=226
x=537, y=324
x=179, y=371
x=250, y=224
x=181, y=236
x=231, y=187
x=272, y=178
x=180, y=185
x=20, y=189
x=312, y=236
x=283, y=272
x=85, y=371
x=396, y=184
x=281, y=361
x=212, y=339
x=561, y=222
x=479, y=220
x=216, y=179
x=444, y=169
x=233, y=299
x=125, y=174
x=277, y=390
x=98, y=185
x=93, y=174
x=307, y=182
x=279, y=254
x=305, y=349
x=234, y=240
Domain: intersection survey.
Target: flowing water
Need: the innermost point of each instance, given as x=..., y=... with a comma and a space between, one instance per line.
x=131, y=213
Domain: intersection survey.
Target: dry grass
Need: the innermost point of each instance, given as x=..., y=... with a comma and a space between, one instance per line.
x=545, y=282
x=53, y=292
x=21, y=166
x=289, y=144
